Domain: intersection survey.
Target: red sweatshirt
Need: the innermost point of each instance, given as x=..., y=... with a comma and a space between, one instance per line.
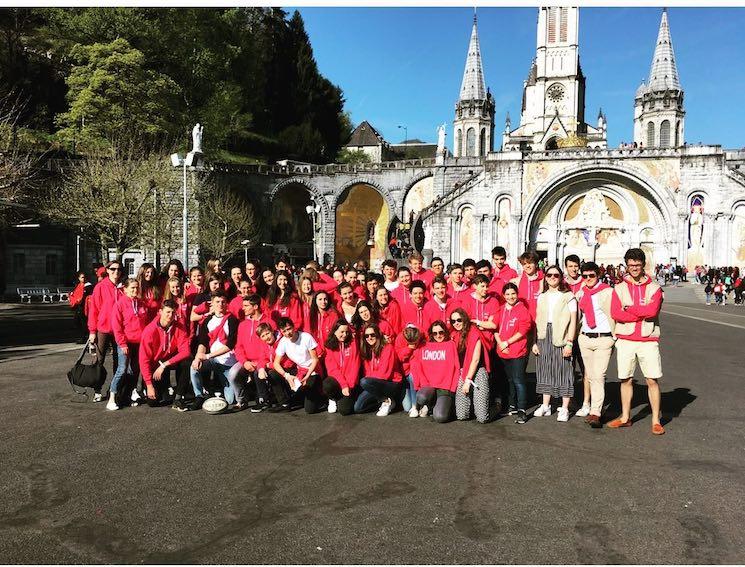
x=325, y=321
x=183, y=312
x=102, y=304
x=436, y=365
x=344, y=364
x=459, y=294
x=162, y=345
x=638, y=311
x=293, y=310
x=529, y=290
x=482, y=311
x=402, y=295
x=501, y=277
x=434, y=311
x=128, y=318
x=392, y=314
x=472, y=340
x=414, y=315
x=248, y=344
x=513, y=320
x=235, y=307
x=404, y=353
x=383, y=367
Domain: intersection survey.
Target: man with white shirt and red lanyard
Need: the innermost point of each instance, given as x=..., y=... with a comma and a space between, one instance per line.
x=596, y=340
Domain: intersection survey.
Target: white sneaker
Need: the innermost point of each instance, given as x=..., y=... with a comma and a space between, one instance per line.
x=562, y=414
x=111, y=404
x=424, y=411
x=332, y=406
x=413, y=412
x=97, y=397
x=135, y=396
x=170, y=391
x=542, y=410
x=584, y=411
x=385, y=408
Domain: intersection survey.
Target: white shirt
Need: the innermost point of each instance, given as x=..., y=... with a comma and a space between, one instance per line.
x=552, y=298
x=390, y=286
x=601, y=321
x=228, y=359
x=298, y=351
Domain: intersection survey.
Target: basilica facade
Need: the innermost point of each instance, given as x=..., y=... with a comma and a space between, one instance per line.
x=548, y=183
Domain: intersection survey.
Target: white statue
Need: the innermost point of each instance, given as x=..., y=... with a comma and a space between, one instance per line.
x=441, y=139
x=196, y=137
x=593, y=211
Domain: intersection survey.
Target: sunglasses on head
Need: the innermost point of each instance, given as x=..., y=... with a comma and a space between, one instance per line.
x=589, y=276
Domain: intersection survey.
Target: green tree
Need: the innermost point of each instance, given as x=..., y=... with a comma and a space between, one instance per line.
x=352, y=156
x=112, y=92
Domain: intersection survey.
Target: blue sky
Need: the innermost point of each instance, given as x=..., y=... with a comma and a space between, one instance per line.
x=403, y=66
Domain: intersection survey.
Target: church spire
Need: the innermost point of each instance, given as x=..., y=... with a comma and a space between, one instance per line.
x=472, y=87
x=664, y=74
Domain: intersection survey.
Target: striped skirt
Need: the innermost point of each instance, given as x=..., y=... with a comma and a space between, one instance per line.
x=554, y=373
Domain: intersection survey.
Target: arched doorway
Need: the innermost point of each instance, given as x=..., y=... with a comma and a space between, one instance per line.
x=552, y=144
x=419, y=196
x=290, y=226
x=362, y=219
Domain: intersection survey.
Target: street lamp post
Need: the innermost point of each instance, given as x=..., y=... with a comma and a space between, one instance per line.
x=406, y=132
x=312, y=212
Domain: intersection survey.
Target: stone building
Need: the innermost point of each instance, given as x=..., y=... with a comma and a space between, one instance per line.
x=553, y=186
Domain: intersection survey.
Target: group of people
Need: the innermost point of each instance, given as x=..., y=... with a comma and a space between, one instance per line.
x=721, y=283
x=451, y=343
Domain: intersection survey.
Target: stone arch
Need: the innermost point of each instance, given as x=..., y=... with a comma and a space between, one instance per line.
x=466, y=234
x=315, y=193
x=384, y=192
x=410, y=184
x=552, y=143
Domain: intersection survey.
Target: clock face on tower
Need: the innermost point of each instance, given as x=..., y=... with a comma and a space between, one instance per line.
x=555, y=93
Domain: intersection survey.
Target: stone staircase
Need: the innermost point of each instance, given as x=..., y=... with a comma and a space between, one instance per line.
x=444, y=200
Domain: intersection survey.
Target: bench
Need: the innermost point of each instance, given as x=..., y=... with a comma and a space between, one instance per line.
x=28, y=293
x=64, y=293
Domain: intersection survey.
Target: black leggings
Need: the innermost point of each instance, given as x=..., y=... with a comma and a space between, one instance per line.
x=104, y=343
x=310, y=393
x=332, y=390
x=442, y=399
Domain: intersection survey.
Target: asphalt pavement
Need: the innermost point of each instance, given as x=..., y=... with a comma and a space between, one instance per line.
x=151, y=485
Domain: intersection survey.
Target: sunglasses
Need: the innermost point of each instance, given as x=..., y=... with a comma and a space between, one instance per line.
x=586, y=276
x=115, y=269
x=553, y=276
x=438, y=333
x=456, y=321
x=370, y=335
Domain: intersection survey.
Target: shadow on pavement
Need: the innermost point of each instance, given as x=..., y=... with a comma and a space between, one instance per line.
x=672, y=402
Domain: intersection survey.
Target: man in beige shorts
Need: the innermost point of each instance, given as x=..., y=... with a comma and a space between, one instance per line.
x=635, y=307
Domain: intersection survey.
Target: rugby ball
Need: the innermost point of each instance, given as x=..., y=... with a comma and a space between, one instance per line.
x=214, y=406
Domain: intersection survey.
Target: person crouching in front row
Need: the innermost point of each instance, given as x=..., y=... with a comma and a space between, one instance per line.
x=436, y=369
x=342, y=360
x=300, y=348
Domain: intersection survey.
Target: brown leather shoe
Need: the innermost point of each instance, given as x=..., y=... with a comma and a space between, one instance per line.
x=594, y=421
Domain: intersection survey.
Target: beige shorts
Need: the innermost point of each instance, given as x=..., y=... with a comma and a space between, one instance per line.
x=648, y=354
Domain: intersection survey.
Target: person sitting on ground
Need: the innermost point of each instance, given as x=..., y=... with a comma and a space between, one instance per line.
x=342, y=362
x=382, y=376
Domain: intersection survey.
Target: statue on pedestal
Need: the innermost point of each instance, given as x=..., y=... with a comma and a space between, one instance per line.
x=196, y=137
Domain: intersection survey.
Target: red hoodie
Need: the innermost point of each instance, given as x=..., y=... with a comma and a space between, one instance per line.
x=638, y=311
x=402, y=295
x=436, y=365
x=344, y=364
x=383, y=367
x=392, y=314
x=293, y=310
x=471, y=341
x=434, y=311
x=414, y=315
x=459, y=294
x=248, y=344
x=128, y=318
x=501, y=277
x=404, y=353
x=235, y=307
x=529, y=290
x=482, y=311
x=515, y=319
x=102, y=304
x=325, y=321
x=162, y=345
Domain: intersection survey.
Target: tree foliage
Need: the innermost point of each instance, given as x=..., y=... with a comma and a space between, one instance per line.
x=248, y=74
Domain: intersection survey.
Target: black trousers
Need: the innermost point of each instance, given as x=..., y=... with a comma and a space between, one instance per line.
x=183, y=384
x=332, y=390
x=104, y=344
x=309, y=394
x=241, y=385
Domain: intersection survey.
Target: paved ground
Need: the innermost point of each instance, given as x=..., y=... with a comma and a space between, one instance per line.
x=82, y=485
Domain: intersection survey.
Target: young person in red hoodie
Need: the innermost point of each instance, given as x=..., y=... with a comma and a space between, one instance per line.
x=412, y=312
x=164, y=345
x=348, y=301
x=402, y=292
x=175, y=291
x=530, y=282
x=515, y=323
x=366, y=315
x=473, y=381
x=457, y=287
x=635, y=306
x=483, y=310
x=248, y=349
x=407, y=342
x=235, y=307
x=436, y=369
x=382, y=377
x=322, y=317
x=282, y=300
x=342, y=361
x=418, y=272
x=103, y=299
x=128, y=318
x=79, y=304
x=502, y=272
x=150, y=292
x=441, y=305
x=388, y=309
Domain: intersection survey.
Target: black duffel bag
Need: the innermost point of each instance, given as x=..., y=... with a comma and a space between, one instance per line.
x=86, y=375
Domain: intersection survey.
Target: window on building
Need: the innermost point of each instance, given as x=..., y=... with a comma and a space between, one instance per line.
x=482, y=142
x=51, y=264
x=665, y=134
x=19, y=263
x=129, y=267
x=552, y=24
x=564, y=15
x=677, y=134
x=471, y=142
x=650, y=135
x=458, y=143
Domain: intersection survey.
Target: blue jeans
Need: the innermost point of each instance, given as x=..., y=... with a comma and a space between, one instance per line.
x=410, y=393
x=374, y=391
x=514, y=368
x=126, y=364
x=221, y=373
